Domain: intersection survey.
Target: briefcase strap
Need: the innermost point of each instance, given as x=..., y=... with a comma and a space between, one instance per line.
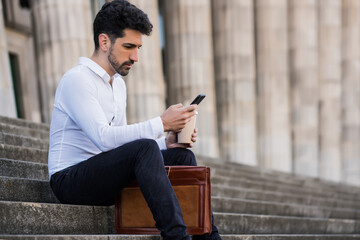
x=169, y=171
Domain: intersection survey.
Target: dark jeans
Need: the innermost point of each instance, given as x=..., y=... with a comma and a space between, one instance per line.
x=97, y=180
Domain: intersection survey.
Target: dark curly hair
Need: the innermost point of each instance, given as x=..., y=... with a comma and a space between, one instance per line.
x=118, y=15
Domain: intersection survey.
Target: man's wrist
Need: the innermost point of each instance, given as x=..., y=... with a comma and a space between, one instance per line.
x=166, y=128
x=166, y=142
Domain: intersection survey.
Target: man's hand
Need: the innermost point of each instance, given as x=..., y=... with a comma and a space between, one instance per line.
x=171, y=140
x=176, y=116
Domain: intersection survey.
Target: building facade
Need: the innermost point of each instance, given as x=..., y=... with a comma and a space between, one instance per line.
x=282, y=77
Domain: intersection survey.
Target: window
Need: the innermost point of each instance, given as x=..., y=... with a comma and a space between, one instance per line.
x=15, y=74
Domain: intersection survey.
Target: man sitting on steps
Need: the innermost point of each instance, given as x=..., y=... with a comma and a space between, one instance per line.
x=93, y=153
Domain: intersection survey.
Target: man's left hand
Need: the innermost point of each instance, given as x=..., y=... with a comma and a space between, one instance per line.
x=171, y=140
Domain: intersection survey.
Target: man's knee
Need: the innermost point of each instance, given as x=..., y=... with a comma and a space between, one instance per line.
x=145, y=142
x=185, y=157
x=190, y=158
x=147, y=149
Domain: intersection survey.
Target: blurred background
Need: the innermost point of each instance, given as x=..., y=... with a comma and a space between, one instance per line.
x=282, y=77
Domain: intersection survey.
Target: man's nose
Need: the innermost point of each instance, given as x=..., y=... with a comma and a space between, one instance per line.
x=134, y=55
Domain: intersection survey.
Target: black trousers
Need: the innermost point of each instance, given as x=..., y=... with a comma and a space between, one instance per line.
x=97, y=180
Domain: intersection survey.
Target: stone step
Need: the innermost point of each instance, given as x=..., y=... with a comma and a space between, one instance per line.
x=36, y=155
x=305, y=180
x=22, y=141
x=30, y=190
x=86, y=237
x=292, y=181
x=232, y=223
x=27, y=128
x=264, y=185
x=23, y=169
x=284, y=176
x=24, y=131
x=26, y=190
x=14, y=189
x=237, y=205
x=235, y=169
x=155, y=237
x=44, y=218
x=24, y=123
x=32, y=170
x=23, y=153
x=260, y=195
x=32, y=146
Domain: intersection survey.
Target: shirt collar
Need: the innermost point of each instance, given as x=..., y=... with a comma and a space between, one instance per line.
x=96, y=68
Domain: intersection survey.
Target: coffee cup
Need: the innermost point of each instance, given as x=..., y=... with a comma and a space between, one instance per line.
x=186, y=133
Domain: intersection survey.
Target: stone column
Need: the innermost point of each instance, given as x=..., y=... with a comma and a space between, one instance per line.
x=62, y=35
x=7, y=98
x=273, y=84
x=233, y=31
x=189, y=64
x=303, y=63
x=330, y=88
x=351, y=91
x=145, y=82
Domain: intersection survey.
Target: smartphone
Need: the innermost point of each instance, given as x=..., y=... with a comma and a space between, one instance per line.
x=198, y=99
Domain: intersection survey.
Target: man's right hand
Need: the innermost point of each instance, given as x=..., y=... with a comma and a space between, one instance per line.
x=176, y=116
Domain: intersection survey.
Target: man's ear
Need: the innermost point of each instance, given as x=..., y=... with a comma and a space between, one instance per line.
x=104, y=42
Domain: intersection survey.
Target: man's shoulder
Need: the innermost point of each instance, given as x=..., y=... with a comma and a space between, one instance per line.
x=78, y=74
x=78, y=71
x=79, y=78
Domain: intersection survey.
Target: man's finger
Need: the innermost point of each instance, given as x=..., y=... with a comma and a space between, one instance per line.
x=179, y=105
x=190, y=108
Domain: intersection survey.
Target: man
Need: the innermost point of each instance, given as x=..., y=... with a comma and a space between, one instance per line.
x=93, y=153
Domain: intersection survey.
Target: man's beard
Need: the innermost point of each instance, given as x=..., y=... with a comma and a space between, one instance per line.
x=119, y=68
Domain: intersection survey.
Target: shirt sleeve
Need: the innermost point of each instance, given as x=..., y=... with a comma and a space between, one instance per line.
x=161, y=142
x=78, y=99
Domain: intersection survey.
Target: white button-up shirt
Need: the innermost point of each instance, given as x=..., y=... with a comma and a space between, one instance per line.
x=89, y=117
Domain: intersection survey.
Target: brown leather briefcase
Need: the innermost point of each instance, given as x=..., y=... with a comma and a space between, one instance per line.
x=192, y=188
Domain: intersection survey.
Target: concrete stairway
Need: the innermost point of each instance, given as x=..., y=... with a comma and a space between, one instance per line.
x=247, y=203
